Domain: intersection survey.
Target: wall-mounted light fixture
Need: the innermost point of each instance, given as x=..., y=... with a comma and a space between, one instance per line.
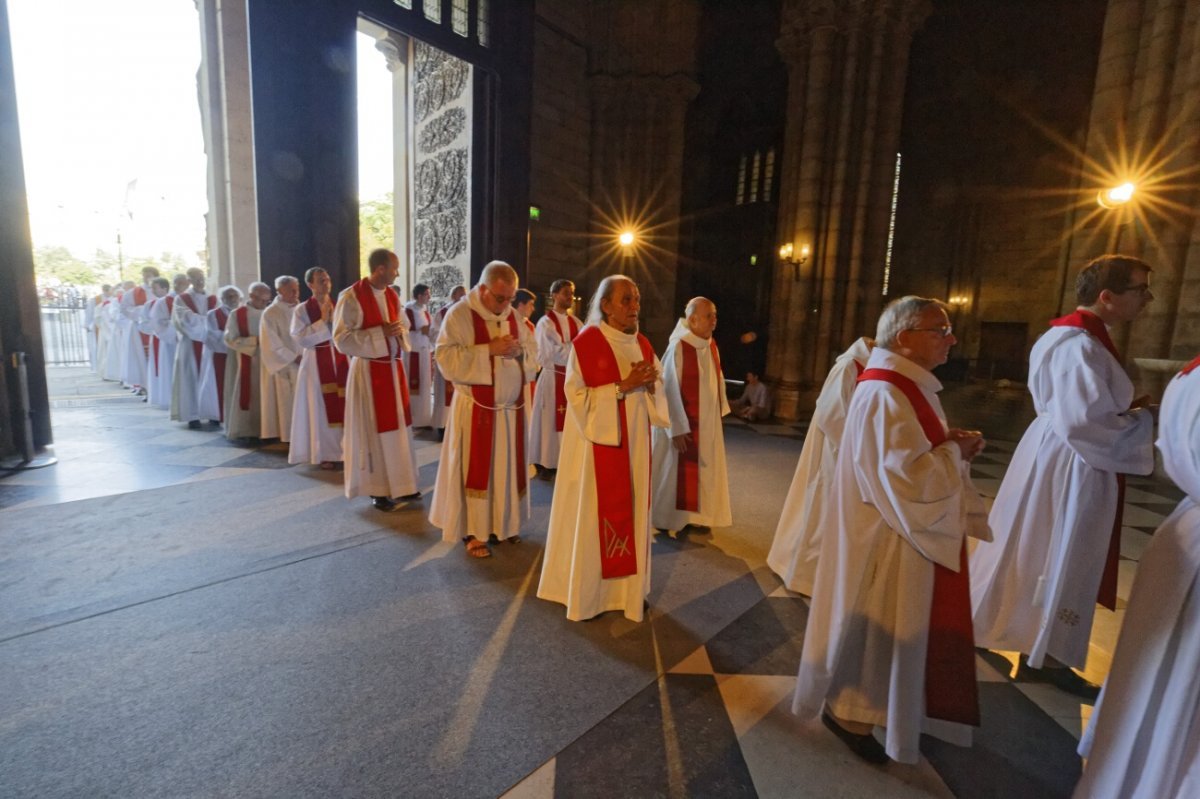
x=786, y=254
x=1116, y=196
x=959, y=300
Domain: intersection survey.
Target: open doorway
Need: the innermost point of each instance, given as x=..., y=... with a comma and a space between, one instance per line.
x=415, y=106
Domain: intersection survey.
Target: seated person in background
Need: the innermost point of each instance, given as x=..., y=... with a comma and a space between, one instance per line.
x=755, y=403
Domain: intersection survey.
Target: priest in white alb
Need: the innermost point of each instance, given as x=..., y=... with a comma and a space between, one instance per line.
x=189, y=316
x=691, y=479
x=419, y=362
x=156, y=322
x=443, y=389
x=243, y=412
x=1057, y=515
x=597, y=554
x=217, y=370
x=110, y=332
x=380, y=460
x=137, y=342
x=888, y=640
x=554, y=333
x=1143, y=741
x=280, y=360
x=319, y=411
x=487, y=352
x=796, y=548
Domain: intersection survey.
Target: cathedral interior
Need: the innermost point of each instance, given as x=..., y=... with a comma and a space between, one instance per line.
x=186, y=617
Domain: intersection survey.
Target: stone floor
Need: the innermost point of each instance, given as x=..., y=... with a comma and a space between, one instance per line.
x=186, y=617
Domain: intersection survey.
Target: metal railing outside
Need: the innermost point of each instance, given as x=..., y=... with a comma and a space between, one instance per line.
x=64, y=337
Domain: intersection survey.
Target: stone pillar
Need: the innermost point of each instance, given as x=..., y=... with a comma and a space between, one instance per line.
x=847, y=63
x=227, y=119
x=641, y=86
x=1144, y=117
x=394, y=48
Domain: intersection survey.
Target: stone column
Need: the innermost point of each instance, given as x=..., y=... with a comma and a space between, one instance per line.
x=394, y=48
x=227, y=118
x=846, y=63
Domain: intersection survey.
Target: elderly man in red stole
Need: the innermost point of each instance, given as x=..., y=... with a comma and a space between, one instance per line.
x=598, y=545
x=156, y=323
x=443, y=389
x=691, y=480
x=137, y=344
x=189, y=315
x=888, y=641
x=419, y=363
x=319, y=409
x=243, y=411
x=486, y=351
x=378, y=446
x=1057, y=515
x=555, y=332
x=215, y=383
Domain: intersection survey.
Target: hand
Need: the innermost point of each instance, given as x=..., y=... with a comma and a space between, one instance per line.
x=394, y=329
x=970, y=442
x=1141, y=402
x=681, y=442
x=504, y=347
x=425, y=330
x=640, y=374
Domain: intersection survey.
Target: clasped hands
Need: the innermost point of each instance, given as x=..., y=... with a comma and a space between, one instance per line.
x=970, y=442
x=504, y=347
x=640, y=374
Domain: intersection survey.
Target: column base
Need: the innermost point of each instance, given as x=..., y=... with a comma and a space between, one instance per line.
x=794, y=400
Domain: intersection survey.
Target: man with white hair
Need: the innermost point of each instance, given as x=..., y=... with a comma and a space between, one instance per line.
x=319, y=412
x=280, y=360
x=796, y=548
x=420, y=359
x=243, y=412
x=691, y=480
x=189, y=316
x=378, y=446
x=554, y=333
x=888, y=641
x=156, y=322
x=486, y=351
x=217, y=371
x=443, y=389
x=598, y=545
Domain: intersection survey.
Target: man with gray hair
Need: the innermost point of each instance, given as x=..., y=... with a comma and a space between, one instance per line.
x=554, y=333
x=215, y=371
x=280, y=360
x=485, y=350
x=598, y=545
x=189, y=316
x=691, y=480
x=243, y=412
x=888, y=641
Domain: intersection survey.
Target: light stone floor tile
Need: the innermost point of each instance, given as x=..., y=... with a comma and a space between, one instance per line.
x=986, y=486
x=59, y=494
x=790, y=758
x=1069, y=712
x=538, y=785
x=1133, y=543
x=1142, y=495
x=1126, y=572
x=1140, y=517
x=217, y=472
x=696, y=663
x=203, y=456
x=986, y=672
x=184, y=437
x=992, y=469
x=428, y=453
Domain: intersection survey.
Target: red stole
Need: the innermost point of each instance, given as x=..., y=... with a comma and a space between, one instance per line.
x=1191, y=366
x=222, y=317
x=139, y=298
x=332, y=370
x=198, y=346
x=950, y=690
x=483, y=419
x=687, y=473
x=383, y=370
x=245, y=362
x=560, y=372
x=1107, y=595
x=532, y=332
x=598, y=364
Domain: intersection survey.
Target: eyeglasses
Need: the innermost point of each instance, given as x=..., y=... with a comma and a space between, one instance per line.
x=1141, y=288
x=944, y=330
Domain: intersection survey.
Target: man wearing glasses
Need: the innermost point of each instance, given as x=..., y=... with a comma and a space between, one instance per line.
x=1057, y=515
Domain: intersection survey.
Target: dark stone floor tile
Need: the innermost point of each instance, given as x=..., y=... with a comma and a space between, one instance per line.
x=267, y=458
x=1019, y=751
x=626, y=755
x=766, y=639
x=11, y=495
x=1164, y=508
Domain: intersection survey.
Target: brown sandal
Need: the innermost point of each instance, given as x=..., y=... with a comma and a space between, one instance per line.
x=478, y=549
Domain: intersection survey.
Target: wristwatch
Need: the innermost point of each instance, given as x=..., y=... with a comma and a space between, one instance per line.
x=620, y=393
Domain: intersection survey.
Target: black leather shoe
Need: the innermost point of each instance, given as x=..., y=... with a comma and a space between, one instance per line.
x=865, y=746
x=410, y=497
x=384, y=504
x=1062, y=677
